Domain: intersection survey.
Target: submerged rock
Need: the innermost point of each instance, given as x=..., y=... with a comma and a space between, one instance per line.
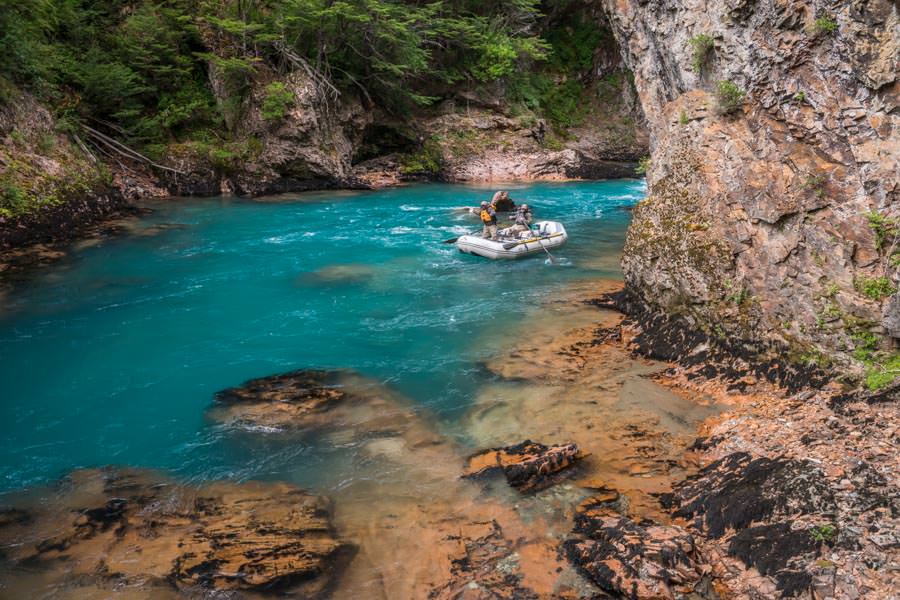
x=339, y=274
x=140, y=529
x=527, y=466
x=313, y=400
x=487, y=567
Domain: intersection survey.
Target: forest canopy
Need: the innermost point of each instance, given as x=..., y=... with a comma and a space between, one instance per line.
x=142, y=67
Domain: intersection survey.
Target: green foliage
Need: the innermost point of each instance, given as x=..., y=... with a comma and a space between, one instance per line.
x=729, y=96
x=886, y=229
x=277, y=101
x=865, y=345
x=643, y=165
x=800, y=97
x=562, y=103
x=875, y=288
x=12, y=199
x=427, y=161
x=824, y=25
x=144, y=67
x=683, y=118
x=46, y=142
x=702, y=46
x=883, y=372
x=823, y=533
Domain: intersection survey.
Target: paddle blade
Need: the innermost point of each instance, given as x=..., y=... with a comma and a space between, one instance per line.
x=450, y=241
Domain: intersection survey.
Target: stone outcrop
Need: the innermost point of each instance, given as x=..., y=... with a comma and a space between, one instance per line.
x=528, y=466
x=486, y=145
x=758, y=220
x=309, y=146
x=136, y=528
x=634, y=560
x=57, y=188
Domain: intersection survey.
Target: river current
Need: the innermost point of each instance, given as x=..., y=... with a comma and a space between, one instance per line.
x=112, y=356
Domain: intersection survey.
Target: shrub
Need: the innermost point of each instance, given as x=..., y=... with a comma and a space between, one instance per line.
x=886, y=229
x=277, y=101
x=729, y=96
x=46, y=142
x=642, y=166
x=800, y=97
x=426, y=161
x=12, y=199
x=823, y=533
x=701, y=46
x=875, y=288
x=883, y=374
x=683, y=118
x=824, y=25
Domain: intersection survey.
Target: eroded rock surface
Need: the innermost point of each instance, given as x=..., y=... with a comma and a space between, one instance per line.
x=138, y=529
x=527, y=466
x=632, y=560
x=757, y=221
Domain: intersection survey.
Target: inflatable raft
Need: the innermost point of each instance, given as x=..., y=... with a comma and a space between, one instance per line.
x=545, y=235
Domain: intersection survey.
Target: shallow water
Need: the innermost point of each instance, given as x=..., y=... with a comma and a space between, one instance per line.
x=113, y=357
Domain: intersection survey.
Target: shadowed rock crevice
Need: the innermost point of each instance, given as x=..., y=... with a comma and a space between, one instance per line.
x=681, y=339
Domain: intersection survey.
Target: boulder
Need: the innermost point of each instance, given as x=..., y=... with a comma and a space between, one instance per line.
x=528, y=466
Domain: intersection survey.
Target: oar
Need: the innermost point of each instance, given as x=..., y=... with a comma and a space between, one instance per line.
x=453, y=240
x=511, y=245
x=552, y=259
x=543, y=247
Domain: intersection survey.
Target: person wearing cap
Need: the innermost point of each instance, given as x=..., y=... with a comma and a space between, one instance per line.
x=489, y=220
x=523, y=219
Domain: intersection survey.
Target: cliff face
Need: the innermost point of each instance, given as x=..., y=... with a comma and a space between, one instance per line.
x=777, y=220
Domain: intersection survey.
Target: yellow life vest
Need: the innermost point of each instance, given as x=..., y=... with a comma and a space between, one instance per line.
x=486, y=217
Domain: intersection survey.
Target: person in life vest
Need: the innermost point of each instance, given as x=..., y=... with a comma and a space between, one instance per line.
x=523, y=218
x=489, y=220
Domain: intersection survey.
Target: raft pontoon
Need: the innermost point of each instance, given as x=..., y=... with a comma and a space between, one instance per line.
x=545, y=235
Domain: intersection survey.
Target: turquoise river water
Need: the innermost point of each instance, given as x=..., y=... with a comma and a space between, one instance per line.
x=112, y=355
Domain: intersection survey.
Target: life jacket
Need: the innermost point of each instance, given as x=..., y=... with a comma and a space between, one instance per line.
x=486, y=217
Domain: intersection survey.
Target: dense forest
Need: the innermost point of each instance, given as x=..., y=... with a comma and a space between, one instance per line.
x=143, y=67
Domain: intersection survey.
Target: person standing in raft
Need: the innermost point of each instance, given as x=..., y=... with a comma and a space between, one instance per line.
x=523, y=218
x=489, y=220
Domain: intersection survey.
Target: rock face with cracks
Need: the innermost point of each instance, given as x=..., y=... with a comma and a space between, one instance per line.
x=528, y=466
x=136, y=527
x=761, y=201
x=633, y=560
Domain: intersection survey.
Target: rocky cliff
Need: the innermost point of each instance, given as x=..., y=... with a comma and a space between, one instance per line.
x=774, y=184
